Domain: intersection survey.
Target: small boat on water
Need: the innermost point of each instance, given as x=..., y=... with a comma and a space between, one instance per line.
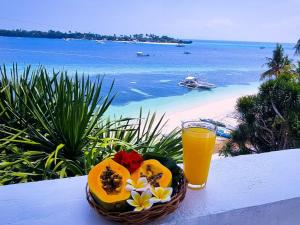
x=141, y=54
x=195, y=83
x=180, y=45
x=187, y=53
x=100, y=42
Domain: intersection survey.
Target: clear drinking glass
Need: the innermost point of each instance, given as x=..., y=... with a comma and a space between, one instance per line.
x=198, y=144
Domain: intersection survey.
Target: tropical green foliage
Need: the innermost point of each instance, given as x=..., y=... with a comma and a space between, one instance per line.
x=297, y=68
x=270, y=120
x=297, y=52
x=278, y=64
x=53, y=109
x=297, y=48
x=55, y=126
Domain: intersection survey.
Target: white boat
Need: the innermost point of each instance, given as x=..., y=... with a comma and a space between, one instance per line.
x=100, y=42
x=142, y=54
x=194, y=83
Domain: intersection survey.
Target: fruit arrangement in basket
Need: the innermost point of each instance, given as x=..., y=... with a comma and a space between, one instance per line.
x=134, y=189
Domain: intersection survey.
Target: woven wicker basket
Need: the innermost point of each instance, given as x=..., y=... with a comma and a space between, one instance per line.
x=146, y=216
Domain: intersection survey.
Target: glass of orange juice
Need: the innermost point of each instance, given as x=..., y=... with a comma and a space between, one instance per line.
x=198, y=144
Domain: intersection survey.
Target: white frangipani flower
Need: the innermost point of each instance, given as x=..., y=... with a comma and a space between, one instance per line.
x=140, y=184
x=140, y=202
x=161, y=194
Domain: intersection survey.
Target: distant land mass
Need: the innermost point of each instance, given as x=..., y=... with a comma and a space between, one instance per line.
x=91, y=36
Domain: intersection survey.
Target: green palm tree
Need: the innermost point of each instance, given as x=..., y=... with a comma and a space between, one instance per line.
x=297, y=48
x=277, y=64
x=297, y=69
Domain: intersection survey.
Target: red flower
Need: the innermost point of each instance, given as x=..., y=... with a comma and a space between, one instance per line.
x=131, y=160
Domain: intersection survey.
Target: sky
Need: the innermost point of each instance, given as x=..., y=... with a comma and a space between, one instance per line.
x=244, y=20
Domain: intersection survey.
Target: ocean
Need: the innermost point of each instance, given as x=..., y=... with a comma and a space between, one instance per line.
x=150, y=82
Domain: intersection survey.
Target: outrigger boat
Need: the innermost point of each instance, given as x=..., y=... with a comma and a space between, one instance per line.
x=194, y=83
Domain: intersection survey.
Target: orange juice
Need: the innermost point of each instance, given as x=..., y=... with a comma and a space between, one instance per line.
x=198, y=145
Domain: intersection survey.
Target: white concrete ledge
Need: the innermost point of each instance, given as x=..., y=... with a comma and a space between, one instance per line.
x=246, y=190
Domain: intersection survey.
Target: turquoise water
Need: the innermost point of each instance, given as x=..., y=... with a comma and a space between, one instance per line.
x=148, y=81
x=187, y=100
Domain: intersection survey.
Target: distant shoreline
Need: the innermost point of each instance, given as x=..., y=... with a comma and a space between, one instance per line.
x=104, y=41
x=140, y=38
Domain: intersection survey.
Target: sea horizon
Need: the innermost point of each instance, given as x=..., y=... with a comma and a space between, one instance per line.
x=176, y=37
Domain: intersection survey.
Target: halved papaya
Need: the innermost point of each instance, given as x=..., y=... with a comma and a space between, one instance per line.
x=107, y=181
x=156, y=174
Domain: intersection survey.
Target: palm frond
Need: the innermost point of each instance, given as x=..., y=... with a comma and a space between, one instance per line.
x=278, y=64
x=297, y=48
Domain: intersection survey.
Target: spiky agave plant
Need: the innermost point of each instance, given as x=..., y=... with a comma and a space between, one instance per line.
x=56, y=112
x=58, y=128
x=65, y=110
x=23, y=160
x=12, y=95
x=18, y=164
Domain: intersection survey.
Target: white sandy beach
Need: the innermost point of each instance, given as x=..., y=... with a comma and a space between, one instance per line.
x=222, y=110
